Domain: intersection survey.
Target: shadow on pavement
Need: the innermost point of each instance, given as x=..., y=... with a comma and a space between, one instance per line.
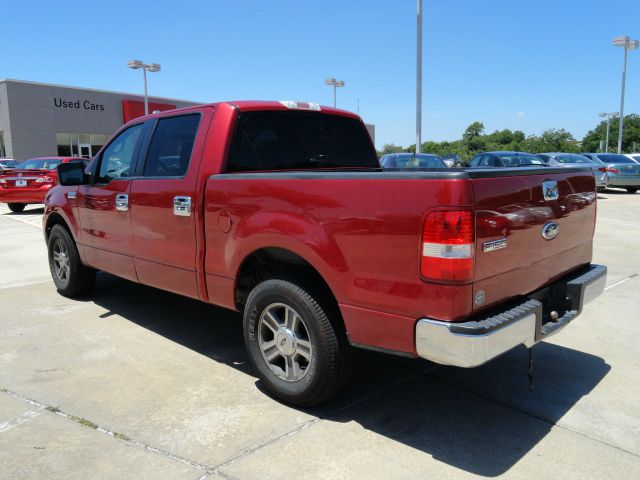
x=480, y=420
x=27, y=212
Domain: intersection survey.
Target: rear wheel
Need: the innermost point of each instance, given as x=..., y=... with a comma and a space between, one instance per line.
x=16, y=207
x=632, y=189
x=300, y=354
x=71, y=277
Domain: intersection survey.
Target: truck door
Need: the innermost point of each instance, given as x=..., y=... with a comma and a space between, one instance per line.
x=163, y=201
x=103, y=206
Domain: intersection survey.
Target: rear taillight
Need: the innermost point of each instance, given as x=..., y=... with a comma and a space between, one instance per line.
x=44, y=180
x=613, y=170
x=602, y=169
x=447, y=246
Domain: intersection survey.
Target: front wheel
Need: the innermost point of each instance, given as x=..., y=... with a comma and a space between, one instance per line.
x=300, y=354
x=71, y=277
x=16, y=207
x=632, y=189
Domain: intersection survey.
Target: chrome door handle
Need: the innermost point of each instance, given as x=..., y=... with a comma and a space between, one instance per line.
x=182, y=206
x=122, y=202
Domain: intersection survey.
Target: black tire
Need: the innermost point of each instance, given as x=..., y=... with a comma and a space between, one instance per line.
x=632, y=189
x=331, y=356
x=77, y=279
x=16, y=207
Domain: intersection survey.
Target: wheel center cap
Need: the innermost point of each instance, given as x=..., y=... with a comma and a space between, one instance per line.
x=286, y=341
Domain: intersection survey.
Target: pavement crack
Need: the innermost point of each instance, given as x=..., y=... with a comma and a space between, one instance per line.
x=116, y=435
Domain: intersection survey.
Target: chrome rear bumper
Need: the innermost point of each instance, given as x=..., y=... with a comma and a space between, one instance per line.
x=470, y=344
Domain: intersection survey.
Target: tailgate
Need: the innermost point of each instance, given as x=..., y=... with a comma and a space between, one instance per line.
x=524, y=240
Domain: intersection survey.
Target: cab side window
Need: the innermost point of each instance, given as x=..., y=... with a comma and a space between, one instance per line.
x=475, y=160
x=171, y=145
x=117, y=157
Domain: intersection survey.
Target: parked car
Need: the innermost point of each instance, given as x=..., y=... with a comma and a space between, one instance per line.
x=622, y=172
x=559, y=159
x=29, y=181
x=280, y=210
x=505, y=159
x=7, y=164
x=450, y=160
x=411, y=160
x=633, y=156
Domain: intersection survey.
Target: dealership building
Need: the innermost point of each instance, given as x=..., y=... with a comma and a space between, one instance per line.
x=40, y=119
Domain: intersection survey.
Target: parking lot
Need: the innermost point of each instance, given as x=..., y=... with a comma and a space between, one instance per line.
x=133, y=382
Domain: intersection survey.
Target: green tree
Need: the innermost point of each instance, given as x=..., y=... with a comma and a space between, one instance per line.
x=630, y=135
x=473, y=138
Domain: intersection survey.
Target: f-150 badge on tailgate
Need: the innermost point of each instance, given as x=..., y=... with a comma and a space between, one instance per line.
x=494, y=245
x=550, y=190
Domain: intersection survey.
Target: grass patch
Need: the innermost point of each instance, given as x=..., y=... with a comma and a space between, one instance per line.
x=52, y=409
x=121, y=436
x=84, y=421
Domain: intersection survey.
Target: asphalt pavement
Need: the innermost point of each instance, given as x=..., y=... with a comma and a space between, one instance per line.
x=133, y=382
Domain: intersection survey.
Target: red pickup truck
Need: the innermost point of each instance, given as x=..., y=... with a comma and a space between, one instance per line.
x=281, y=211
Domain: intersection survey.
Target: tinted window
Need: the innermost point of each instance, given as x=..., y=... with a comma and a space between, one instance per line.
x=517, y=160
x=636, y=157
x=474, y=161
x=417, y=161
x=614, y=158
x=171, y=146
x=299, y=140
x=117, y=157
x=573, y=159
x=39, y=164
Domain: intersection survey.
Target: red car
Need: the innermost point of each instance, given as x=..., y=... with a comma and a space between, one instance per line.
x=29, y=181
x=280, y=210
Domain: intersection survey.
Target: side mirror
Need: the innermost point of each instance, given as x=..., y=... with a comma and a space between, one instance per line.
x=72, y=173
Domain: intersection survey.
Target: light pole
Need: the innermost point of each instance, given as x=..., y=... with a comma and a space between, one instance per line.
x=609, y=116
x=419, y=78
x=146, y=67
x=336, y=84
x=628, y=44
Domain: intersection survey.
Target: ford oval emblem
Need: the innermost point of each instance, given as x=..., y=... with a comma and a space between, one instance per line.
x=550, y=230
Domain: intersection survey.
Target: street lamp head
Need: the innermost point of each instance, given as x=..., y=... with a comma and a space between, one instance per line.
x=621, y=41
x=330, y=81
x=154, y=67
x=634, y=45
x=135, y=64
x=340, y=83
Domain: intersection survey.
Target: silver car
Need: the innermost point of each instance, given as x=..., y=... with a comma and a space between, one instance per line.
x=622, y=172
x=560, y=159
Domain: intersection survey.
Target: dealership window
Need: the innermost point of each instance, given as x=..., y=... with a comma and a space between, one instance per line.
x=84, y=145
x=3, y=150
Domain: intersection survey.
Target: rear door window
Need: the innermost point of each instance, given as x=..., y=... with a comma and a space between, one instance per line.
x=171, y=146
x=289, y=140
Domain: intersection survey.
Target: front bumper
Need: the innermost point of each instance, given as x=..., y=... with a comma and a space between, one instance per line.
x=472, y=343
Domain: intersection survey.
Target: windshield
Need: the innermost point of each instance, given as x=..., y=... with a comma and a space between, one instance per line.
x=573, y=158
x=513, y=160
x=39, y=164
x=8, y=163
x=420, y=160
x=275, y=140
x=614, y=158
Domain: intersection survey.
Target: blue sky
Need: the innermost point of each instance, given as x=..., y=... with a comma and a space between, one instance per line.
x=527, y=65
